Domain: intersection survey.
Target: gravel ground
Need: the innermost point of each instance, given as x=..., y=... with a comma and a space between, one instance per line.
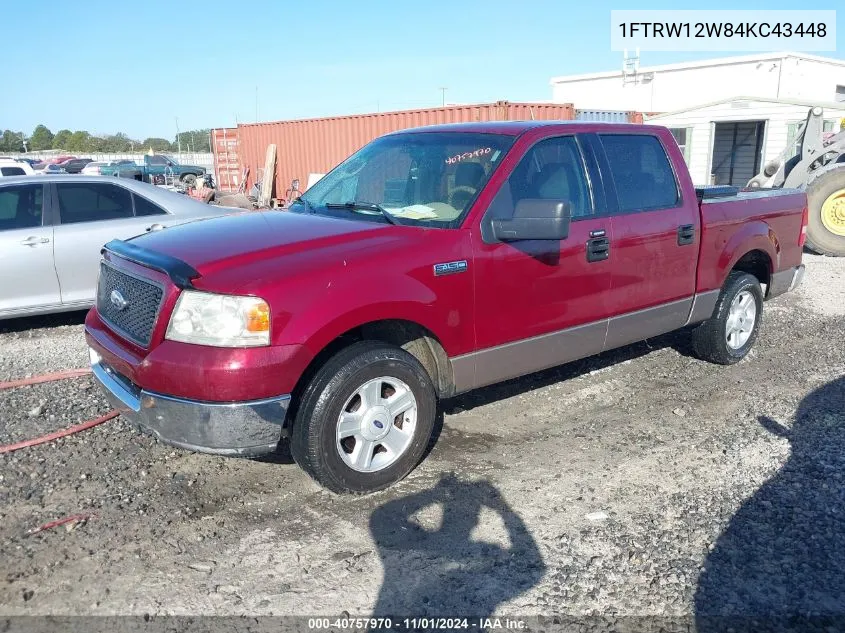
x=640, y=482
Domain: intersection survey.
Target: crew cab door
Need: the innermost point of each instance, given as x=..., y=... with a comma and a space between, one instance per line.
x=91, y=214
x=541, y=303
x=27, y=276
x=656, y=236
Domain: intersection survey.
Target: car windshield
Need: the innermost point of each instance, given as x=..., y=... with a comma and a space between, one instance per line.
x=422, y=178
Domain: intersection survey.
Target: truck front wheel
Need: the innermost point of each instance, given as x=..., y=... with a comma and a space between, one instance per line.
x=365, y=419
x=728, y=335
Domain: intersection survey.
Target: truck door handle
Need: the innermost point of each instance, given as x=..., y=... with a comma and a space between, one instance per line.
x=155, y=227
x=35, y=241
x=686, y=234
x=598, y=249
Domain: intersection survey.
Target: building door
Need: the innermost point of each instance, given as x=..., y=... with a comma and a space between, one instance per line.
x=737, y=152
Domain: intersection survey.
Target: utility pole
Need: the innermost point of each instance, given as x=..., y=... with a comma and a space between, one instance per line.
x=443, y=96
x=256, y=104
x=178, y=138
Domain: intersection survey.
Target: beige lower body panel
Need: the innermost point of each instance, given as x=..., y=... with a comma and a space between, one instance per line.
x=495, y=364
x=642, y=324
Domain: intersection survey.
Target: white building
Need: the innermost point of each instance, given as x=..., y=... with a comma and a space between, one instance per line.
x=795, y=76
x=727, y=142
x=729, y=115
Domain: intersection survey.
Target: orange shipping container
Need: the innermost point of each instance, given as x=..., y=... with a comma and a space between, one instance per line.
x=314, y=146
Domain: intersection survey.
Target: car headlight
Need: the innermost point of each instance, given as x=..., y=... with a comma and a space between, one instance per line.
x=203, y=318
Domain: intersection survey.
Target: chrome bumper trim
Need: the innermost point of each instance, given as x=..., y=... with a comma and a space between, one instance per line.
x=243, y=429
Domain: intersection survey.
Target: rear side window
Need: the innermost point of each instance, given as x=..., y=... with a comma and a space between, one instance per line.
x=12, y=171
x=145, y=207
x=641, y=171
x=91, y=202
x=20, y=207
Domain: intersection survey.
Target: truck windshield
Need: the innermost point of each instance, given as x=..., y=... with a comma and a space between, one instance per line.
x=423, y=178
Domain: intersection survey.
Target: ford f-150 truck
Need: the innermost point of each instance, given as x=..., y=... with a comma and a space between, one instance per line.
x=157, y=165
x=433, y=261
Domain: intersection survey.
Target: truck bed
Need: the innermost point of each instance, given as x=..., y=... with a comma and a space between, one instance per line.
x=731, y=216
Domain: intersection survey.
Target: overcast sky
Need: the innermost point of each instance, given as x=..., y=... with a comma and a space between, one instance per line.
x=136, y=66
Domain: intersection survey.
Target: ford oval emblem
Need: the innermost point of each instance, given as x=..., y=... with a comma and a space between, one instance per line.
x=378, y=424
x=117, y=300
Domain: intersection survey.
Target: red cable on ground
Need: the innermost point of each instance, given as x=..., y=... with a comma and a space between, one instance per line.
x=8, y=448
x=36, y=380
x=75, y=518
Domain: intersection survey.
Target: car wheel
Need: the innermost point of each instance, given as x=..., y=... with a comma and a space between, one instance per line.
x=189, y=179
x=365, y=419
x=729, y=334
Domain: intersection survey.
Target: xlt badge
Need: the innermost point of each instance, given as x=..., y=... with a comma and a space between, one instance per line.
x=450, y=268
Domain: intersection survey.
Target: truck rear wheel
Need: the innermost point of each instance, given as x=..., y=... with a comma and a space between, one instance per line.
x=729, y=334
x=365, y=419
x=826, y=202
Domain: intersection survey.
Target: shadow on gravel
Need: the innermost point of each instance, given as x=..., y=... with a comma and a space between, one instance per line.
x=43, y=321
x=437, y=570
x=678, y=340
x=782, y=556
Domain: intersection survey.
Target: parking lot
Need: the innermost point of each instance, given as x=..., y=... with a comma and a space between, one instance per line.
x=641, y=482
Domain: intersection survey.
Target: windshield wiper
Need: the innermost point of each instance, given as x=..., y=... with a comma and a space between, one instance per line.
x=306, y=204
x=366, y=206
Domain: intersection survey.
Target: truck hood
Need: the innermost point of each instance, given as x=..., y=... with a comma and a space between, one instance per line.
x=219, y=244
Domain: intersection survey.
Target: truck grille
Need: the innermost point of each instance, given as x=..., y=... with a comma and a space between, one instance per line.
x=128, y=304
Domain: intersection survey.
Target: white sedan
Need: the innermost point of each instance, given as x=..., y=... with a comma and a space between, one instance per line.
x=52, y=228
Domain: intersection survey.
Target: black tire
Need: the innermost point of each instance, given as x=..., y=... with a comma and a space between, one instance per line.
x=189, y=179
x=819, y=239
x=313, y=436
x=709, y=341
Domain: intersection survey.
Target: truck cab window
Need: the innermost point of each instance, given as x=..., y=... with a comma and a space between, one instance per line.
x=641, y=171
x=551, y=170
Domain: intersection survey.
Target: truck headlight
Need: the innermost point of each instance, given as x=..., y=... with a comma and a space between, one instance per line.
x=203, y=318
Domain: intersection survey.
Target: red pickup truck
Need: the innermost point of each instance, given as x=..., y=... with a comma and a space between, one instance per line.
x=431, y=262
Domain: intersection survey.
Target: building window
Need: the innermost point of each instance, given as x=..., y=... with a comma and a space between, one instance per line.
x=683, y=136
x=840, y=94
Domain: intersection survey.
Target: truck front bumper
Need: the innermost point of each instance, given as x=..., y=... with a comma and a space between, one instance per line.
x=785, y=281
x=242, y=429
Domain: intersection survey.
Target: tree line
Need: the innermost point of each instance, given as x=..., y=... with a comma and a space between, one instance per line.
x=81, y=141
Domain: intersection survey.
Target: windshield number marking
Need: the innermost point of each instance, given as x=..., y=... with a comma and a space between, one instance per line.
x=483, y=151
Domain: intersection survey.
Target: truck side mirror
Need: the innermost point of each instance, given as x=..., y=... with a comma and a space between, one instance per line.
x=535, y=220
